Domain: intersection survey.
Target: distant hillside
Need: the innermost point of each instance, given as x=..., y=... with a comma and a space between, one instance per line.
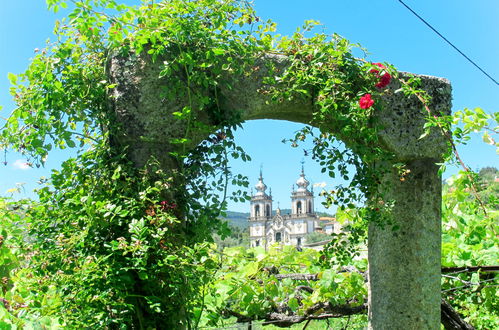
x=240, y=219
x=325, y=214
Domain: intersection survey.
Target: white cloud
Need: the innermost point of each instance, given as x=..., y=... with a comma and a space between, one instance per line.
x=320, y=184
x=21, y=165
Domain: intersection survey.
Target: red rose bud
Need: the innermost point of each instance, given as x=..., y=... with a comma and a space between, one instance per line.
x=366, y=102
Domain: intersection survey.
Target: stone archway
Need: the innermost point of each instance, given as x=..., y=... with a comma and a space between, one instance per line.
x=404, y=266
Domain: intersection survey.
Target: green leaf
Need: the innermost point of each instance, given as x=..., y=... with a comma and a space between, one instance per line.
x=70, y=143
x=12, y=78
x=218, y=51
x=251, y=269
x=293, y=304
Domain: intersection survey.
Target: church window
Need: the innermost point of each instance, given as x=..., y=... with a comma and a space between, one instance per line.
x=298, y=208
x=278, y=237
x=310, y=207
x=257, y=243
x=298, y=241
x=257, y=210
x=267, y=210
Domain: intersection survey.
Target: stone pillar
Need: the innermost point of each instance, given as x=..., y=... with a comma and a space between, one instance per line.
x=144, y=125
x=404, y=264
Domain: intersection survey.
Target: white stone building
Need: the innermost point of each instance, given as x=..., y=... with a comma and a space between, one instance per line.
x=288, y=229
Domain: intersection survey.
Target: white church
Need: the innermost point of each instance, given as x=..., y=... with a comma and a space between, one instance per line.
x=288, y=229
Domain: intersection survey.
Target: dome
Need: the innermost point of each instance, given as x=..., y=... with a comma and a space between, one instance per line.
x=260, y=187
x=302, y=183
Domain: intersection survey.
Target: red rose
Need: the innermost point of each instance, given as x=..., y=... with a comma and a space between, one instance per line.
x=165, y=205
x=384, y=79
x=375, y=71
x=366, y=102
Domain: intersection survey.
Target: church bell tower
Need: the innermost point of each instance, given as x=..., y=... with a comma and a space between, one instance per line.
x=261, y=203
x=302, y=199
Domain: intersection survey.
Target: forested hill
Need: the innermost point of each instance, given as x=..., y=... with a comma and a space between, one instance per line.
x=238, y=219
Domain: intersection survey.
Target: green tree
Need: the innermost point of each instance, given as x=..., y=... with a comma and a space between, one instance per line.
x=488, y=173
x=470, y=239
x=108, y=248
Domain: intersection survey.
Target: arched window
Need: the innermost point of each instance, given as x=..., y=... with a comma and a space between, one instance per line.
x=267, y=210
x=298, y=208
x=257, y=210
x=278, y=237
x=310, y=207
x=257, y=243
x=298, y=241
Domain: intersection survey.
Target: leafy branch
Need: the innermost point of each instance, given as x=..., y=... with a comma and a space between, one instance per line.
x=443, y=126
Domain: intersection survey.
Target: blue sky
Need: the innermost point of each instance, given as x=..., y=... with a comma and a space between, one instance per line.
x=387, y=29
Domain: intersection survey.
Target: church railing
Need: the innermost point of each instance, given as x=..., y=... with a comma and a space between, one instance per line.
x=259, y=218
x=285, y=216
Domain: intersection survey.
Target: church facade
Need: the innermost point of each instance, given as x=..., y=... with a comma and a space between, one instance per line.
x=267, y=228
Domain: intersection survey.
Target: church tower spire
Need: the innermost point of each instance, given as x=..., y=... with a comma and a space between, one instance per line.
x=261, y=202
x=302, y=199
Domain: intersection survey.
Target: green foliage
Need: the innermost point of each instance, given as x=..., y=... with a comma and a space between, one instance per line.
x=468, y=121
x=100, y=225
x=129, y=237
x=470, y=238
x=488, y=187
x=317, y=237
x=10, y=238
x=15, y=253
x=238, y=237
x=353, y=322
x=488, y=173
x=343, y=132
x=120, y=244
x=61, y=98
x=246, y=284
x=345, y=245
x=237, y=219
